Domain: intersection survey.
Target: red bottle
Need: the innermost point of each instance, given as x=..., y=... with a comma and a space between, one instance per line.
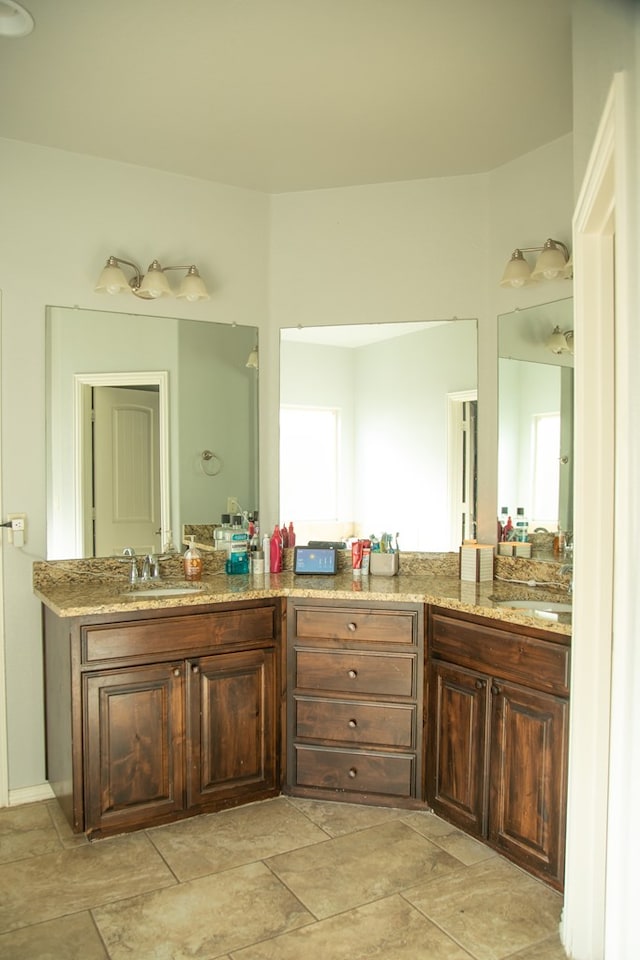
x=275, y=551
x=292, y=536
x=284, y=536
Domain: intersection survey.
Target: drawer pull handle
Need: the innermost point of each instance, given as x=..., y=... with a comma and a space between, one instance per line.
x=353, y=773
x=352, y=674
x=353, y=724
x=352, y=627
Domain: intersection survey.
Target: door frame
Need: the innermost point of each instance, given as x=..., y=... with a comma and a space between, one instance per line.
x=602, y=243
x=81, y=381
x=455, y=402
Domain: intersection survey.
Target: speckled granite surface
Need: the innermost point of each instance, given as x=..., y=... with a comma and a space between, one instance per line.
x=78, y=588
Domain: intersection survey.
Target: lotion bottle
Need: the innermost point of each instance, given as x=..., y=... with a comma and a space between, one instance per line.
x=275, y=551
x=192, y=562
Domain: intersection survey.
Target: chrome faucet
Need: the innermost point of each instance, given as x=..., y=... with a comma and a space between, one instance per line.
x=568, y=568
x=130, y=553
x=151, y=567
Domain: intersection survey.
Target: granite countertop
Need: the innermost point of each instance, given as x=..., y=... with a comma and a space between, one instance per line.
x=94, y=595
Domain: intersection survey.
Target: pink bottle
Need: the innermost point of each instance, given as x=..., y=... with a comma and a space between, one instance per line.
x=292, y=536
x=275, y=551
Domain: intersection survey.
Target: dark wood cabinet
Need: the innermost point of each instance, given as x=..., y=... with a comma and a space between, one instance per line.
x=162, y=715
x=497, y=736
x=355, y=681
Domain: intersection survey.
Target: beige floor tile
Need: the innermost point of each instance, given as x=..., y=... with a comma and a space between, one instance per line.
x=26, y=831
x=203, y=918
x=336, y=819
x=218, y=841
x=69, y=938
x=454, y=841
x=386, y=930
x=550, y=949
x=492, y=908
x=349, y=871
x=56, y=884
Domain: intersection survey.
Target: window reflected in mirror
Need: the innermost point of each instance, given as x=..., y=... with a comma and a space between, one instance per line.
x=535, y=415
x=378, y=432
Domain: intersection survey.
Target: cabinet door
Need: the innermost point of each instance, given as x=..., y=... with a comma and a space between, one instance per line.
x=134, y=746
x=457, y=746
x=528, y=788
x=232, y=728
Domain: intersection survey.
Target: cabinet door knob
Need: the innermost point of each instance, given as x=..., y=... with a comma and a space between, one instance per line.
x=480, y=684
x=353, y=773
x=195, y=668
x=352, y=627
x=352, y=674
x=353, y=724
x=495, y=689
x=176, y=671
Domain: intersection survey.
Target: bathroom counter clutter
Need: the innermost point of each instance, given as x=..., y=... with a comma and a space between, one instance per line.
x=69, y=592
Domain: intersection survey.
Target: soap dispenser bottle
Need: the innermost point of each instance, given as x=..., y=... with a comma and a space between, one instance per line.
x=192, y=562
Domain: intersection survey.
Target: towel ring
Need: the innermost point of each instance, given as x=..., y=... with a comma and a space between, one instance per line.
x=207, y=464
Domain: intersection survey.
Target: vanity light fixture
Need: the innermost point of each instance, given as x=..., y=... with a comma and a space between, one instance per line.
x=560, y=342
x=553, y=263
x=153, y=284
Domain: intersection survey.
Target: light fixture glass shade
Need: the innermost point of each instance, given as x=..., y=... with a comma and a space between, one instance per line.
x=192, y=287
x=154, y=283
x=551, y=263
x=567, y=273
x=557, y=342
x=517, y=272
x=15, y=21
x=112, y=279
x=252, y=359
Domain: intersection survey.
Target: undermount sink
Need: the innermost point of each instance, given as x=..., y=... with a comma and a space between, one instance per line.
x=143, y=591
x=542, y=608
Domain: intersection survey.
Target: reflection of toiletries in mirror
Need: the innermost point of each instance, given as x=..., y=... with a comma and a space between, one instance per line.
x=192, y=562
x=507, y=530
x=522, y=525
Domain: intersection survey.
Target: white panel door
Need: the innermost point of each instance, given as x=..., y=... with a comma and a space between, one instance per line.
x=126, y=474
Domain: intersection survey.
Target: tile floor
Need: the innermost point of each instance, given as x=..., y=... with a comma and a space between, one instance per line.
x=284, y=879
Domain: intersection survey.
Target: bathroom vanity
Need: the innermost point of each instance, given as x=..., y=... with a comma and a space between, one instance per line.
x=498, y=721
x=409, y=693
x=157, y=715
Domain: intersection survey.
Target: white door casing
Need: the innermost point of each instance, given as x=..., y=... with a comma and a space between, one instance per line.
x=126, y=471
x=160, y=378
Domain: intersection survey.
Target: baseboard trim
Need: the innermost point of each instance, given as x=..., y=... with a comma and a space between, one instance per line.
x=41, y=791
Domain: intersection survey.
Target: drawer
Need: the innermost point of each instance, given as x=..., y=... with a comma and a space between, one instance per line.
x=354, y=722
x=369, y=626
x=542, y=664
x=171, y=636
x=349, y=671
x=349, y=770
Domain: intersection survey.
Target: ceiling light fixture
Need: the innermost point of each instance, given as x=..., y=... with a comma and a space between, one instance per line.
x=553, y=263
x=153, y=284
x=15, y=21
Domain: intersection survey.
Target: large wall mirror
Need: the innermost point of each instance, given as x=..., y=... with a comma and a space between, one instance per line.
x=378, y=432
x=535, y=435
x=152, y=423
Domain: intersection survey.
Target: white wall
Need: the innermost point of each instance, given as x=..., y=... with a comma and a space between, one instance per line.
x=62, y=215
